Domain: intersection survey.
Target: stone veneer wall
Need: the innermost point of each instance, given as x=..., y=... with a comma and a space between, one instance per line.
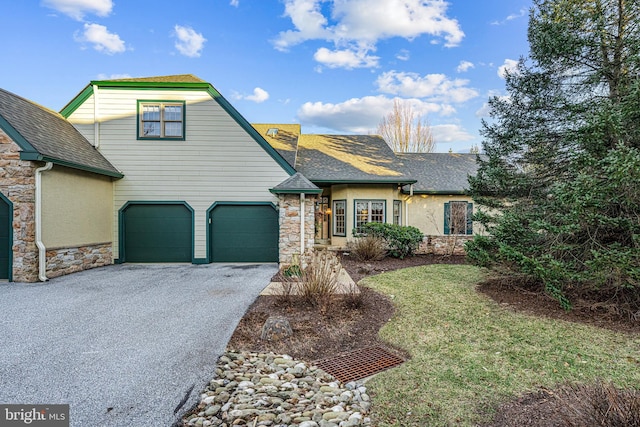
x=289, y=211
x=17, y=183
x=61, y=261
x=444, y=245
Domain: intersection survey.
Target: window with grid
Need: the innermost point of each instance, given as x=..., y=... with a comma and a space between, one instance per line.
x=397, y=212
x=369, y=211
x=160, y=120
x=458, y=218
x=339, y=217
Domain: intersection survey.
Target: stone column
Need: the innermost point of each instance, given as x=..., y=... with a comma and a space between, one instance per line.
x=290, y=215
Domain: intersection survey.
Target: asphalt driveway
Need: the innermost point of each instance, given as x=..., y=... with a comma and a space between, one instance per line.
x=122, y=345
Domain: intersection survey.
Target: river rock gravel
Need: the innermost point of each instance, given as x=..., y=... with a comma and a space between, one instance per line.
x=265, y=389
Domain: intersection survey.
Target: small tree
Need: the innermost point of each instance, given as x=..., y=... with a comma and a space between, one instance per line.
x=405, y=130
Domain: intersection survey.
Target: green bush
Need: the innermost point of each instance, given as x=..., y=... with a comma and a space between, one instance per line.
x=402, y=241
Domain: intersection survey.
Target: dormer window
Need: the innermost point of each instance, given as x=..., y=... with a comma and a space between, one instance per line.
x=161, y=120
x=273, y=132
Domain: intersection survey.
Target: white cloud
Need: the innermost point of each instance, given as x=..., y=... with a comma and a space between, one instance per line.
x=464, y=66
x=511, y=17
x=365, y=22
x=345, y=58
x=403, y=55
x=76, y=9
x=434, y=87
x=510, y=65
x=259, y=95
x=450, y=133
x=113, y=76
x=102, y=39
x=358, y=115
x=235, y=3
x=189, y=43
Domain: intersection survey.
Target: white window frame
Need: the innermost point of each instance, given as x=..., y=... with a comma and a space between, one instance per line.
x=339, y=218
x=162, y=120
x=360, y=220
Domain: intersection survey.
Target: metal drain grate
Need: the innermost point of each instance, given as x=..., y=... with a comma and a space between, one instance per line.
x=359, y=364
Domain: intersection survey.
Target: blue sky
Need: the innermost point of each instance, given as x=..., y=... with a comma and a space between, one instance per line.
x=334, y=66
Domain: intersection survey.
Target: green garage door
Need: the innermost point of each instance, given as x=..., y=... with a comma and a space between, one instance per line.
x=157, y=233
x=244, y=233
x=5, y=238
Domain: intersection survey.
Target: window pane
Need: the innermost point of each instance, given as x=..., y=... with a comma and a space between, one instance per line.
x=396, y=212
x=339, y=217
x=151, y=129
x=173, y=113
x=362, y=215
x=377, y=212
x=458, y=222
x=173, y=129
x=151, y=113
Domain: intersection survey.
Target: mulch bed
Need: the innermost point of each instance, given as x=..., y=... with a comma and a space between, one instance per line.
x=350, y=324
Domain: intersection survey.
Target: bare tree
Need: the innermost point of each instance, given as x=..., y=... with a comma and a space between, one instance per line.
x=405, y=130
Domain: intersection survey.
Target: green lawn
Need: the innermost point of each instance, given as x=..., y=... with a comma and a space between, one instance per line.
x=468, y=353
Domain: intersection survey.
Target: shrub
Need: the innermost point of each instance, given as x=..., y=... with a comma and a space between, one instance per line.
x=367, y=248
x=401, y=240
x=601, y=405
x=317, y=283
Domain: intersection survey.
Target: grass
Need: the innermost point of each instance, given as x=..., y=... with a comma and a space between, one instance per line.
x=469, y=353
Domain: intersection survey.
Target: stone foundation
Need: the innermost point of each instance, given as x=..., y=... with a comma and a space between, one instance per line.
x=61, y=261
x=444, y=245
x=289, y=244
x=17, y=183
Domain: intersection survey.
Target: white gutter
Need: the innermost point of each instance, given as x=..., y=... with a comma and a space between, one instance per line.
x=302, y=220
x=42, y=250
x=96, y=118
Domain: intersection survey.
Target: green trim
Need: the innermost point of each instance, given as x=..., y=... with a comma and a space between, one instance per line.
x=333, y=218
x=216, y=204
x=355, y=210
x=77, y=101
x=439, y=192
x=296, y=191
x=200, y=261
x=10, y=262
x=250, y=130
x=161, y=138
x=363, y=181
x=122, y=258
x=16, y=136
x=109, y=84
x=30, y=153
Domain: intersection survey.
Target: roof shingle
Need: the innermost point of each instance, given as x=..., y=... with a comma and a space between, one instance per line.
x=50, y=136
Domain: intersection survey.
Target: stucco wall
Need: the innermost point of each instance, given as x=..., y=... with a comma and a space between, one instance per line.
x=77, y=208
x=353, y=192
x=426, y=211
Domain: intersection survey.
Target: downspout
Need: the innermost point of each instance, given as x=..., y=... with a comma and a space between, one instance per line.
x=302, y=220
x=42, y=250
x=96, y=118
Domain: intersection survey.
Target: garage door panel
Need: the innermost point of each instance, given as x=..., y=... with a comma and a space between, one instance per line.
x=158, y=233
x=244, y=233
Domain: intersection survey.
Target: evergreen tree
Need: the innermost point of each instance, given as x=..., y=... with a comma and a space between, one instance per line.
x=560, y=182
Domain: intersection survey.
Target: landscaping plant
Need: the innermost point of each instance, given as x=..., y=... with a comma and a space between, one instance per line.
x=367, y=248
x=401, y=240
x=558, y=181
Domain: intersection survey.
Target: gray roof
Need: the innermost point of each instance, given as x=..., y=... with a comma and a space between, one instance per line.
x=282, y=137
x=349, y=159
x=296, y=183
x=439, y=173
x=45, y=135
